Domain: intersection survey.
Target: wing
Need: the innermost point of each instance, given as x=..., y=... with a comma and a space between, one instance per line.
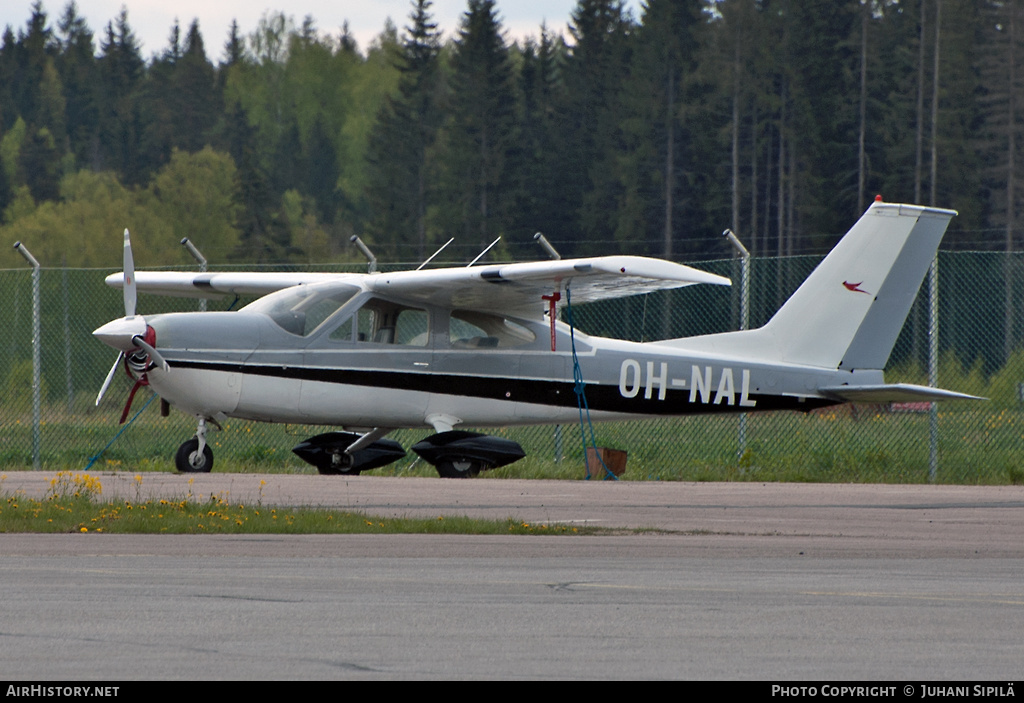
x=497, y=288
x=217, y=285
x=508, y=287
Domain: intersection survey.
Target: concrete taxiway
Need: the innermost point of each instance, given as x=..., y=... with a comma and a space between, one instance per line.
x=722, y=581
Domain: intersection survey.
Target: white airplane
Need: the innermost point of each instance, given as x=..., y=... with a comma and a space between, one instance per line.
x=481, y=346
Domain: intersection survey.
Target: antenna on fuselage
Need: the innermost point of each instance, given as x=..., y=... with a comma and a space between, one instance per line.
x=546, y=245
x=371, y=267
x=481, y=254
x=431, y=257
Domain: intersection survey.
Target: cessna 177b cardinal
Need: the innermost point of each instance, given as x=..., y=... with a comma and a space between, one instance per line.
x=481, y=346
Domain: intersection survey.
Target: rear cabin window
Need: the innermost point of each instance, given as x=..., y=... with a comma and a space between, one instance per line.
x=469, y=329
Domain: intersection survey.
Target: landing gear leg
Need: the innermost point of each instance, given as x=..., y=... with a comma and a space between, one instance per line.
x=195, y=455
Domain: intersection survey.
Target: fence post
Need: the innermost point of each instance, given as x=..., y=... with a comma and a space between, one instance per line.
x=741, y=439
x=933, y=368
x=68, y=380
x=201, y=260
x=36, y=356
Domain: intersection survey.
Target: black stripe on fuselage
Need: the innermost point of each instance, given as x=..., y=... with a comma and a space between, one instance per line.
x=518, y=390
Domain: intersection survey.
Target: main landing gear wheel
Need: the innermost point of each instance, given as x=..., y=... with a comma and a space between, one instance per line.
x=189, y=460
x=459, y=468
x=340, y=465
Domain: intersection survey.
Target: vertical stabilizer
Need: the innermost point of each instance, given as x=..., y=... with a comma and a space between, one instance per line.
x=850, y=310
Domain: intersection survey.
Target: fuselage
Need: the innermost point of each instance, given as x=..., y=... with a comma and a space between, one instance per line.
x=375, y=362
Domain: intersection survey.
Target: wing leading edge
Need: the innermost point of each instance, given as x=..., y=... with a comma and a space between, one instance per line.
x=183, y=284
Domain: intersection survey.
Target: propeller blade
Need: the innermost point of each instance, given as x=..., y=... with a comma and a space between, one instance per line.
x=129, y=278
x=153, y=353
x=110, y=377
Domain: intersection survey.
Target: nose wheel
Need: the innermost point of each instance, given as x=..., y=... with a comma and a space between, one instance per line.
x=191, y=460
x=195, y=455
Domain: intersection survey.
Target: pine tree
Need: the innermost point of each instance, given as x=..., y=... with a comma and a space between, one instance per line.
x=481, y=135
x=36, y=45
x=77, y=67
x=321, y=176
x=8, y=79
x=655, y=128
x=39, y=162
x=121, y=70
x=540, y=203
x=6, y=191
x=158, y=105
x=198, y=96
x=261, y=236
x=1000, y=142
x=596, y=69
x=234, y=47
x=400, y=145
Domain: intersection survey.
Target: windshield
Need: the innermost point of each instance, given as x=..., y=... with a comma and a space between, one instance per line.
x=300, y=310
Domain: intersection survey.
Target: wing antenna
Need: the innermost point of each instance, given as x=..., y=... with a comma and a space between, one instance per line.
x=431, y=257
x=481, y=254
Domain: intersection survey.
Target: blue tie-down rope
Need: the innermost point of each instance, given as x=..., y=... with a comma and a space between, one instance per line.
x=579, y=386
x=128, y=424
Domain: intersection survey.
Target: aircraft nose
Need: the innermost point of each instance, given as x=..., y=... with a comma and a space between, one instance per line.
x=120, y=333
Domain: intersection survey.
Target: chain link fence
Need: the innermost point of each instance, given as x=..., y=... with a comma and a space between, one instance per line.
x=977, y=442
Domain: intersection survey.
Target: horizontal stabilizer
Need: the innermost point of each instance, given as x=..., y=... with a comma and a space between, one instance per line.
x=892, y=393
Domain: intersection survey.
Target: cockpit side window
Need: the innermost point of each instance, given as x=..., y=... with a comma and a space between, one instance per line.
x=469, y=329
x=383, y=322
x=358, y=327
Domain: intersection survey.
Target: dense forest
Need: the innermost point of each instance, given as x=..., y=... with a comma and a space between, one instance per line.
x=780, y=119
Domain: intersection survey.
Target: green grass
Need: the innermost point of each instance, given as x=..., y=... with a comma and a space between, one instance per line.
x=73, y=504
x=978, y=444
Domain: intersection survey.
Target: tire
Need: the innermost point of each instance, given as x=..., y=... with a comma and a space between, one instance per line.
x=343, y=468
x=186, y=452
x=458, y=467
